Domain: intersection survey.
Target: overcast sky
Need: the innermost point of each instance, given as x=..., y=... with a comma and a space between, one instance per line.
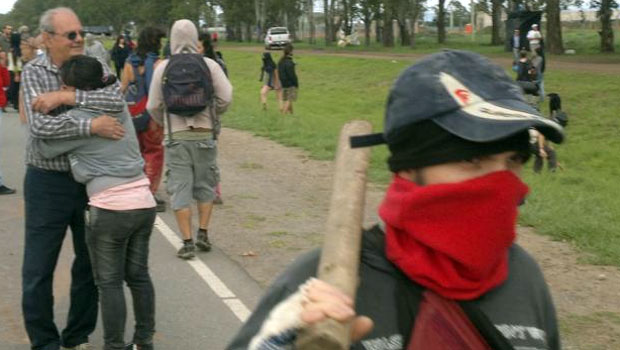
x=6, y=5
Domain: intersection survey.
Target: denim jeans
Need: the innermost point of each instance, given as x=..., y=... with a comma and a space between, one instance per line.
x=118, y=241
x=54, y=202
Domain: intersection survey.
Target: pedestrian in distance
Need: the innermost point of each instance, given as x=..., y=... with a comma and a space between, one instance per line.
x=4, y=83
x=538, y=63
x=442, y=270
x=120, y=52
x=121, y=213
x=288, y=79
x=205, y=47
x=192, y=129
x=53, y=200
x=534, y=37
x=517, y=45
x=135, y=83
x=94, y=48
x=269, y=77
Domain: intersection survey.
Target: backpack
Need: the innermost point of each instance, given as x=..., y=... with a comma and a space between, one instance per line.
x=187, y=85
x=188, y=88
x=136, y=95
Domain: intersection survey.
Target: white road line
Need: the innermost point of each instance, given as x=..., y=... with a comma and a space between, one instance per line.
x=215, y=283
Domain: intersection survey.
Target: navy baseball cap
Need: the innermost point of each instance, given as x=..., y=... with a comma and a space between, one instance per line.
x=465, y=94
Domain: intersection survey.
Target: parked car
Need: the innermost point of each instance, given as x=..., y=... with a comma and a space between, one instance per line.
x=277, y=37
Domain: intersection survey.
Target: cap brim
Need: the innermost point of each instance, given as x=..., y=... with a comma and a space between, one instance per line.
x=494, y=120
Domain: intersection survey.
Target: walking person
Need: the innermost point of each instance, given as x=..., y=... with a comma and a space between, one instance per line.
x=538, y=63
x=122, y=209
x=205, y=47
x=120, y=52
x=191, y=148
x=442, y=270
x=288, y=79
x=54, y=201
x=4, y=83
x=94, y=48
x=269, y=77
x=517, y=45
x=534, y=38
x=136, y=77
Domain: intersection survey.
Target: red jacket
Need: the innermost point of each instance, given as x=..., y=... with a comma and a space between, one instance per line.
x=5, y=79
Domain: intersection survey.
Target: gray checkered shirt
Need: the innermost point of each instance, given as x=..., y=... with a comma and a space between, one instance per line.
x=40, y=76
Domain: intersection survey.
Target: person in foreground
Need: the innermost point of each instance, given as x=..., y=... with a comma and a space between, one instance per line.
x=53, y=200
x=442, y=270
x=122, y=209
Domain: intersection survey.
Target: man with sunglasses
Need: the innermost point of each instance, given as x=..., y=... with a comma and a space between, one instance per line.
x=53, y=200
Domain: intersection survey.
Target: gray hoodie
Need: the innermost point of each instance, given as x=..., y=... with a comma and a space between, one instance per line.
x=98, y=162
x=184, y=38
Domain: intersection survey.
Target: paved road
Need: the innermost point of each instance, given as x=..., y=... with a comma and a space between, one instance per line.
x=199, y=304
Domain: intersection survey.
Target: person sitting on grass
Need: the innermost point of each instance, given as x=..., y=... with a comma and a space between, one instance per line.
x=456, y=126
x=122, y=209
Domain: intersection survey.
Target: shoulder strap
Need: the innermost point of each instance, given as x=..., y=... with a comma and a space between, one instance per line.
x=408, y=297
x=487, y=329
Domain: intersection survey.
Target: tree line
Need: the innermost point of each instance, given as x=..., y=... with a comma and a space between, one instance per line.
x=249, y=19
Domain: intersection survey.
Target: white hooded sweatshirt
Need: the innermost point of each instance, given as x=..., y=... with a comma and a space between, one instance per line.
x=184, y=38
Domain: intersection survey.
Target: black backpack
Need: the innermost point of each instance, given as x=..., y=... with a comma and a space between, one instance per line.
x=188, y=88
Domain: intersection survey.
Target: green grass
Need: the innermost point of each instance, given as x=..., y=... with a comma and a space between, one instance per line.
x=586, y=42
x=578, y=203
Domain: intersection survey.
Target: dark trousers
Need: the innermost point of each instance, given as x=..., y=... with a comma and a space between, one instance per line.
x=552, y=162
x=118, y=241
x=53, y=203
x=13, y=91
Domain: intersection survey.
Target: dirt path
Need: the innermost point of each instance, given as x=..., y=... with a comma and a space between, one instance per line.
x=275, y=204
x=553, y=64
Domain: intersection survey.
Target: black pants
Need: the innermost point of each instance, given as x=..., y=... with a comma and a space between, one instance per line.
x=13, y=91
x=55, y=202
x=552, y=162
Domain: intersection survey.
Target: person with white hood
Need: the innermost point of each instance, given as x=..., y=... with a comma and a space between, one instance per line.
x=191, y=148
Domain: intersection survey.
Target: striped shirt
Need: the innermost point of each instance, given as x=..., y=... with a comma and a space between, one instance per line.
x=40, y=76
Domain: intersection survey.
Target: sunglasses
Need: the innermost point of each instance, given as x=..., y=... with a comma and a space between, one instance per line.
x=71, y=35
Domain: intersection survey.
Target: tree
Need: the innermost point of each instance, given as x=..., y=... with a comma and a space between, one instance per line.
x=441, y=22
x=496, y=19
x=607, y=33
x=460, y=13
x=388, y=28
x=553, y=39
x=327, y=17
x=368, y=9
x=310, y=11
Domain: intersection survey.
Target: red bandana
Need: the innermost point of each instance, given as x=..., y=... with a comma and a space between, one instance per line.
x=453, y=238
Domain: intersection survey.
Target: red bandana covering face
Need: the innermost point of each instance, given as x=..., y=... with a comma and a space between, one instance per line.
x=453, y=238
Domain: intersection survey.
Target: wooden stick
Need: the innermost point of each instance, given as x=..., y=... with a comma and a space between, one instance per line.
x=341, y=247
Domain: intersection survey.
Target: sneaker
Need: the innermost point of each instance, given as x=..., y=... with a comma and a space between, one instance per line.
x=187, y=250
x=139, y=347
x=202, y=241
x=6, y=190
x=85, y=346
x=161, y=205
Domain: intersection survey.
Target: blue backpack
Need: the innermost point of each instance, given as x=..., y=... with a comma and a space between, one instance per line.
x=137, y=92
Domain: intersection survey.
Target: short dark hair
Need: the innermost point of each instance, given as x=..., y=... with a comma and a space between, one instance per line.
x=85, y=73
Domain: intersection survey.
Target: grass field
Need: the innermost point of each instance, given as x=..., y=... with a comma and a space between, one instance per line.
x=579, y=203
x=585, y=41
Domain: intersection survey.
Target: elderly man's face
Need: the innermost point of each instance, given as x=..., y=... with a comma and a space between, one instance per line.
x=66, y=40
